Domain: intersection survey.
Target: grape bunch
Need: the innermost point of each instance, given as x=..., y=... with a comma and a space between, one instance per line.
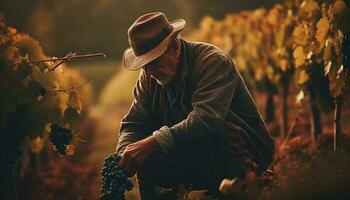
x=114, y=181
x=346, y=50
x=60, y=138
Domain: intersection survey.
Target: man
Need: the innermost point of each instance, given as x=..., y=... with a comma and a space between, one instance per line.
x=192, y=121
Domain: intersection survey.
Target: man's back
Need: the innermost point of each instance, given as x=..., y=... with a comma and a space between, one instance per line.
x=242, y=110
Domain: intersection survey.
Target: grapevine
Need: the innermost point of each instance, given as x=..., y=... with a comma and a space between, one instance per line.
x=303, y=43
x=34, y=95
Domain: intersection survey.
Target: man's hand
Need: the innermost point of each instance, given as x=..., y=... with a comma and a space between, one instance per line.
x=135, y=154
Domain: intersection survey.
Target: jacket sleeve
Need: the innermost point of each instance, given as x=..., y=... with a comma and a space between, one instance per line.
x=134, y=125
x=215, y=84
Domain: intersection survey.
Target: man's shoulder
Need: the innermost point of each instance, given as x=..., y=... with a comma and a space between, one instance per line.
x=204, y=50
x=206, y=57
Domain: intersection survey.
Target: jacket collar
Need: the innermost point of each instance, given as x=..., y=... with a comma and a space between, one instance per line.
x=180, y=84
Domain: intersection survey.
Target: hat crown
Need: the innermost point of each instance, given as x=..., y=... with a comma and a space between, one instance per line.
x=148, y=31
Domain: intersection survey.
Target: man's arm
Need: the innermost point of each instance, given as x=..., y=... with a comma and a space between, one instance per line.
x=133, y=144
x=134, y=123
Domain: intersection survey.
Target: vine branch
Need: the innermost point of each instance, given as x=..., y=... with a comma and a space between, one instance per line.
x=69, y=56
x=73, y=87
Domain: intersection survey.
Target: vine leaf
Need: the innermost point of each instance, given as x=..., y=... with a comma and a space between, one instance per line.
x=322, y=29
x=300, y=35
x=303, y=78
x=74, y=99
x=299, y=56
x=309, y=5
x=327, y=68
x=340, y=70
x=300, y=97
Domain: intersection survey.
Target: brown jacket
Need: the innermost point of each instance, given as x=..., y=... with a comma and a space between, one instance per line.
x=208, y=97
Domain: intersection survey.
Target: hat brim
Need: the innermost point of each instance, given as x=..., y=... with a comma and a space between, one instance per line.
x=133, y=62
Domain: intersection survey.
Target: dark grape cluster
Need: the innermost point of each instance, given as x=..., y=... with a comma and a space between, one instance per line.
x=60, y=138
x=114, y=181
x=346, y=50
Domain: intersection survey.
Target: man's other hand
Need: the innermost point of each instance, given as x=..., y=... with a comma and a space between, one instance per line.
x=135, y=154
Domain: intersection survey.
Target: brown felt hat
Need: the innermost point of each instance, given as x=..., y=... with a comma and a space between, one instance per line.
x=149, y=36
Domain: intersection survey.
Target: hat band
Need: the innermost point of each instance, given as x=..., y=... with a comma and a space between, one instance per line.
x=153, y=42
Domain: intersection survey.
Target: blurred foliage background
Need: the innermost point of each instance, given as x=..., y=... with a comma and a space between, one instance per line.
x=84, y=26
x=101, y=25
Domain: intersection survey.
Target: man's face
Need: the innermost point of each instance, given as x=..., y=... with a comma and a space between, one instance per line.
x=164, y=68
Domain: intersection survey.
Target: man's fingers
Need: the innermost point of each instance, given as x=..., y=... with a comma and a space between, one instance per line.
x=127, y=164
x=131, y=159
x=131, y=167
x=131, y=171
x=121, y=161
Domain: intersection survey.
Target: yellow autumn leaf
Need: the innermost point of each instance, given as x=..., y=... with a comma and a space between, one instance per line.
x=280, y=36
x=327, y=68
x=300, y=97
x=340, y=70
x=338, y=44
x=60, y=99
x=284, y=64
x=273, y=16
x=302, y=78
x=329, y=53
x=309, y=6
x=299, y=56
x=300, y=35
x=70, y=149
x=270, y=72
x=258, y=74
x=322, y=29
